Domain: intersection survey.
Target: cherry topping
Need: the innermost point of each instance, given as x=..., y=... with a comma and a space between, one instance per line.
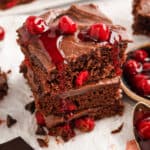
x=67, y=25
x=40, y=118
x=146, y=66
x=143, y=127
x=132, y=67
x=82, y=78
x=99, y=31
x=2, y=33
x=142, y=84
x=86, y=124
x=140, y=55
x=35, y=25
x=11, y=4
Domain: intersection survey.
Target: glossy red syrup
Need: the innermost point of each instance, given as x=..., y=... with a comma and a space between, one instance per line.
x=49, y=41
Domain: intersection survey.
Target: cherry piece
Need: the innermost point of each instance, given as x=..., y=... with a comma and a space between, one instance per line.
x=146, y=66
x=67, y=25
x=132, y=67
x=11, y=4
x=40, y=118
x=67, y=106
x=35, y=25
x=2, y=33
x=140, y=55
x=99, y=31
x=142, y=84
x=86, y=124
x=143, y=128
x=82, y=78
x=65, y=131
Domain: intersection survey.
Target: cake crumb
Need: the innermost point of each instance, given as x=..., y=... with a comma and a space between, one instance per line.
x=42, y=142
x=118, y=129
x=40, y=131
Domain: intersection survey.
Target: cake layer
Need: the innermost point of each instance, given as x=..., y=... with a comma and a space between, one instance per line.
x=105, y=92
x=141, y=14
x=96, y=113
x=5, y=4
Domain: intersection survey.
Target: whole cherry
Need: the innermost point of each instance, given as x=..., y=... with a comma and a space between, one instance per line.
x=142, y=84
x=67, y=25
x=2, y=33
x=140, y=55
x=99, y=31
x=146, y=66
x=143, y=127
x=86, y=124
x=35, y=25
x=132, y=67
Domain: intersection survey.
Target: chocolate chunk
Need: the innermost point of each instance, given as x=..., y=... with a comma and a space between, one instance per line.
x=15, y=144
x=40, y=131
x=118, y=129
x=42, y=143
x=30, y=107
x=10, y=121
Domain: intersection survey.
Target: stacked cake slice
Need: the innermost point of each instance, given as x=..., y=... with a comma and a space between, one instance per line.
x=73, y=62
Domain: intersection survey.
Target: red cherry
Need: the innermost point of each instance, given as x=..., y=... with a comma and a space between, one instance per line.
x=140, y=55
x=99, y=31
x=35, y=25
x=132, y=67
x=144, y=128
x=40, y=118
x=85, y=124
x=11, y=4
x=67, y=25
x=142, y=84
x=82, y=78
x=2, y=33
x=146, y=66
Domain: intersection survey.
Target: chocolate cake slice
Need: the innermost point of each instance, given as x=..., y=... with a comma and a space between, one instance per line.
x=6, y=4
x=141, y=13
x=3, y=84
x=73, y=61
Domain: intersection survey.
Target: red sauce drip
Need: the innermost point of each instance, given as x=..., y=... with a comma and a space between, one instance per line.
x=49, y=41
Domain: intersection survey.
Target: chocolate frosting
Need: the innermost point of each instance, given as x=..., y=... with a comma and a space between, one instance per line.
x=72, y=47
